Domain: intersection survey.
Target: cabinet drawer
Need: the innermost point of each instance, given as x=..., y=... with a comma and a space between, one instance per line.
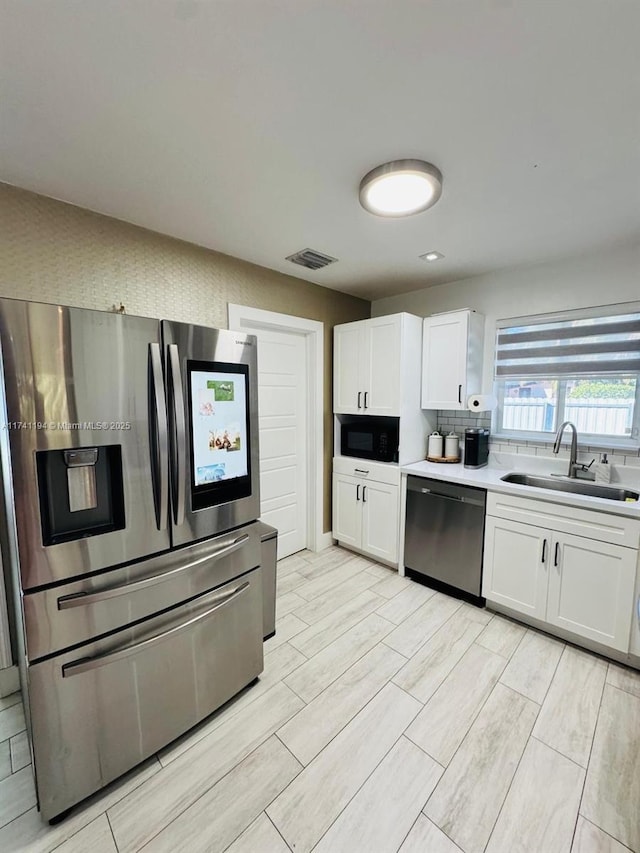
x=366, y=470
x=601, y=526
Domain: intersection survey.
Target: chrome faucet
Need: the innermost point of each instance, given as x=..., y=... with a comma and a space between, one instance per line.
x=574, y=467
x=573, y=455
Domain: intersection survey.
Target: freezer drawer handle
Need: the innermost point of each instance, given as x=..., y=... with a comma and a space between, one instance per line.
x=180, y=435
x=84, y=599
x=88, y=664
x=161, y=463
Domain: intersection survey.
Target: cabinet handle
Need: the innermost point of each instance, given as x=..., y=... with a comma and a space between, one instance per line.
x=360, y=471
x=544, y=550
x=460, y=394
x=359, y=395
x=364, y=492
x=556, y=554
x=358, y=492
x=366, y=394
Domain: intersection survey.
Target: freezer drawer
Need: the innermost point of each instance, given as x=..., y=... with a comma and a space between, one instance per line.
x=99, y=710
x=66, y=615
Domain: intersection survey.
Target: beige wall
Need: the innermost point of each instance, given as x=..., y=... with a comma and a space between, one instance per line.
x=54, y=252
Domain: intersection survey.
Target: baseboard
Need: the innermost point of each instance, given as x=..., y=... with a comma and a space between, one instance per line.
x=325, y=540
x=9, y=681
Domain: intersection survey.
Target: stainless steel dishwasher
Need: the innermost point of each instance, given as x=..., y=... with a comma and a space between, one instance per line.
x=444, y=536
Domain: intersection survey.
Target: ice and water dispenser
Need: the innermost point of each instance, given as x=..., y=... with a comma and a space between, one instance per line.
x=81, y=492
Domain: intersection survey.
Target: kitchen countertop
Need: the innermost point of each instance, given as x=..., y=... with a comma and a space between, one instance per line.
x=489, y=478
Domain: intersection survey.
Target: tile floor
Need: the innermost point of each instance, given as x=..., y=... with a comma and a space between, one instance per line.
x=389, y=718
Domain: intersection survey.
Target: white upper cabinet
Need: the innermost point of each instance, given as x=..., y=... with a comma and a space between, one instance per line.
x=367, y=376
x=347, y=390
x=451, y=359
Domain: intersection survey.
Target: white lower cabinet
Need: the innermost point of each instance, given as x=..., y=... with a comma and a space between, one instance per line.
x=347, y=512
x=591, y=588
x=582, y=585
x=380, y=521
x=366, y=514
x=515, y=563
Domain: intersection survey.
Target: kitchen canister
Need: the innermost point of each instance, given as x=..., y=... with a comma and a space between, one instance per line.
x=435, y=445
x=452, y=446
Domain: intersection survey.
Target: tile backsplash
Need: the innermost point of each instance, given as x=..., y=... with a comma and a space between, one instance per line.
x=458, y=421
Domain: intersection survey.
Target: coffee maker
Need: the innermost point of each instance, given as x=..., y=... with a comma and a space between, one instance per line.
x=476, y=447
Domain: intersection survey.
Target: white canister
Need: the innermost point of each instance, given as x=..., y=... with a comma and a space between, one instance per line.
x=434, y=447
x=452, y=446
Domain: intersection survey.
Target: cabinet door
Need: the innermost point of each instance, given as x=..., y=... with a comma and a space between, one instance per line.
x=380, y=366
x=347, y=510
x=380, y=516
x=444, y=361
x=347, y=347
x=516, y=559
x=591, y=589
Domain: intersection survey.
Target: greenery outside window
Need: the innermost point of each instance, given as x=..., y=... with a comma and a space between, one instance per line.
x=584, y=369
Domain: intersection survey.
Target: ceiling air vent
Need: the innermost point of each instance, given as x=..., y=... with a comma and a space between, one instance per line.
x=311, y=259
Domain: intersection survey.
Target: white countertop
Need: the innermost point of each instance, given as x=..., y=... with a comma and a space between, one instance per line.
x=489, y=478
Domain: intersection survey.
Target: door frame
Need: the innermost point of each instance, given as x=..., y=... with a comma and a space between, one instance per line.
x=243, y=318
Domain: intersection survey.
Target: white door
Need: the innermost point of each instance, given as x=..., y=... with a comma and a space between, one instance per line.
x=444, y=361
x=380, y=521
x=283, y=443
x=515, y=567
x=591, y=589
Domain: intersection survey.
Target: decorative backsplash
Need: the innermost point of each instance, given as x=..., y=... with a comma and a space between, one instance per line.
x=458, y=421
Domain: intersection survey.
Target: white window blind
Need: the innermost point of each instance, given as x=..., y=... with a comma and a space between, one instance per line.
x=596, y=346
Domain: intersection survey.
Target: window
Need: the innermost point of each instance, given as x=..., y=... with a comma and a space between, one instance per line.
x=583, y=369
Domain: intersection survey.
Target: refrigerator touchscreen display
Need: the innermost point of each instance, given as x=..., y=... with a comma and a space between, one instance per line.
x=219, y=424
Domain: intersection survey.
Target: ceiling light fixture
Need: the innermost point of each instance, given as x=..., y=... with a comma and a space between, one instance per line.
x=431, y=256
x=401, y=188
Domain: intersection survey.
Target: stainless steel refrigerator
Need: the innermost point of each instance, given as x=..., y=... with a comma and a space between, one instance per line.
x=129, y=456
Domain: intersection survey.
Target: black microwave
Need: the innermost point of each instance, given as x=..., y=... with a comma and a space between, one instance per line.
x=370, y=438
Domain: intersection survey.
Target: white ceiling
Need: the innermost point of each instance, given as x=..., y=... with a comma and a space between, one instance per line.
x=246, y=125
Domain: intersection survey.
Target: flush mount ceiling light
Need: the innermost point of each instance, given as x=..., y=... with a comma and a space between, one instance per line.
x=401, y=188
x=431, y=256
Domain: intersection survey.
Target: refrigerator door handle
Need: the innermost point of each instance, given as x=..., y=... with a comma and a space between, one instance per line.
x=84, y=599
x=179, y=469
x=161, y=462
x=88, y=664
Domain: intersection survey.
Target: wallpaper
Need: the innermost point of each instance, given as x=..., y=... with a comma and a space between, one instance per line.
x=54, y=252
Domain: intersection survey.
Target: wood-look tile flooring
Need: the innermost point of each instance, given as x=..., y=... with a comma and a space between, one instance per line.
x=388, y=718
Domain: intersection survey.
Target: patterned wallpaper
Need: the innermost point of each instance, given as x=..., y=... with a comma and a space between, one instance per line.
x=54, y=252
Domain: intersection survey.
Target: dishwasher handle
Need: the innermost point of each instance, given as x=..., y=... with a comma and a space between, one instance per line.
x=462, y=499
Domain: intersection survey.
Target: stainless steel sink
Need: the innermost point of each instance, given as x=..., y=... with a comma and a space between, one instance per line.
x=576, y=487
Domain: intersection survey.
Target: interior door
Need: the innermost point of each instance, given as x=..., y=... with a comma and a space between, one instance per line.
x=283, y=444
x=91, y=381
x=212, y=394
